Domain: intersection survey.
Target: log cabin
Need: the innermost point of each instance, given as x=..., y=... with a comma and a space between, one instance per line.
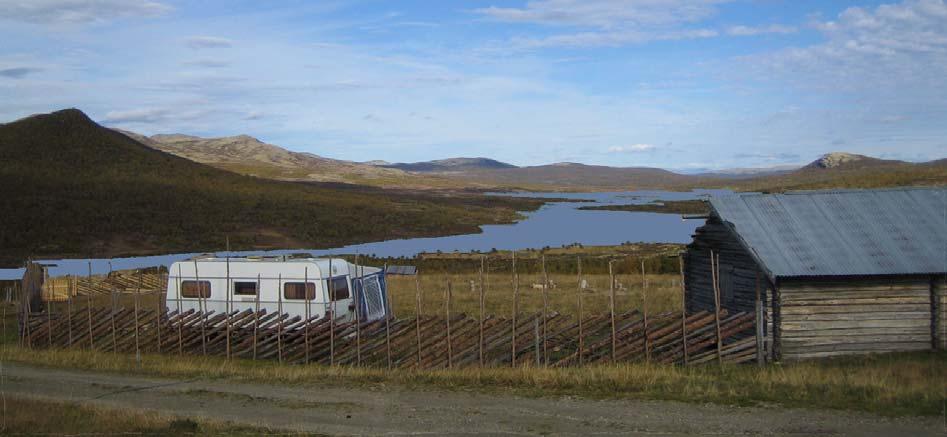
x=828, y=273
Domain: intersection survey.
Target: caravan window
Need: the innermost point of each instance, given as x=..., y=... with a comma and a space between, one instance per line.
x=244, y=288
x=339, y=288
x=195, y=289
x=294, y=291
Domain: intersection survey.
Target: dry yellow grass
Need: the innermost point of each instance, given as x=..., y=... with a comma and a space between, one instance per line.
x=25, y=416
x=663, y=293
x=895, y=384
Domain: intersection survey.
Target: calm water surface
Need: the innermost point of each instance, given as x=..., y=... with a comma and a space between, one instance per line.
x=554, y=225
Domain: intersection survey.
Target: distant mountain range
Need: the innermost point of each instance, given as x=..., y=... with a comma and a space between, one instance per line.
x=247, y=155
x=70, y=187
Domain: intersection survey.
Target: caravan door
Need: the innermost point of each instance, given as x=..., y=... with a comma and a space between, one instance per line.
x=340, y=297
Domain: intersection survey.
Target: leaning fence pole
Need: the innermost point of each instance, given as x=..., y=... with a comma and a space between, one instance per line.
x=611, y=305
x=680, y=263
x=715, y=277
x=480, y=344
x=279, y=326
x=644, y=313
x=417, y=318
x=759, y=322
x=578, y=306
x=202, y=305
x=516, y=301
x=545, y=311
x=450, y=350
x=331, y=313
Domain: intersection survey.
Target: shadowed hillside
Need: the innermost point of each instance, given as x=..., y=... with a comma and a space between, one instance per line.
x=73, y=188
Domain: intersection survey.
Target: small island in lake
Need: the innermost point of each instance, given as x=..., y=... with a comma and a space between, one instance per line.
x=662, y=206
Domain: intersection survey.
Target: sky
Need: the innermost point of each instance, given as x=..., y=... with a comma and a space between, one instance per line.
x=702, y=84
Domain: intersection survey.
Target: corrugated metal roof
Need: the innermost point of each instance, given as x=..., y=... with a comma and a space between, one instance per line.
x=842, y=232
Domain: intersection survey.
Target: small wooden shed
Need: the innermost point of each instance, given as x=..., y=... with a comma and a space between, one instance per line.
x=838, y=272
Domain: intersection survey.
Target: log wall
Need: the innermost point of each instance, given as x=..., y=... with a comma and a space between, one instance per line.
x=737, y=271
x=842, y=317
x=940, y=309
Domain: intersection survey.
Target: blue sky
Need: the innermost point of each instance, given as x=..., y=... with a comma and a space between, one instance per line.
x=670, y=83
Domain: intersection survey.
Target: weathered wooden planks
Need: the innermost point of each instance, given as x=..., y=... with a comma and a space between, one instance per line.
x=472, y=341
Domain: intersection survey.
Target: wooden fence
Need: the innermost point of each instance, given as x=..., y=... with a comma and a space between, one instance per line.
x=427, y=342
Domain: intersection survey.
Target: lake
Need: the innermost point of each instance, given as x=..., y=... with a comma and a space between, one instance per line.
x=555, y=224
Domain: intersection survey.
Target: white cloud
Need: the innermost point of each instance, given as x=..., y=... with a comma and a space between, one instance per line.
x=78, y=11
x=612, y=39
x=633, y=148
x=208, y=42
x=759, y=30
x=605, y=13
x=207, y=63
x=897, y=47
x=147, y=115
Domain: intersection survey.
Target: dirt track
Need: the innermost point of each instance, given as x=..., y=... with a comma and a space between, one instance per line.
x=397, y=411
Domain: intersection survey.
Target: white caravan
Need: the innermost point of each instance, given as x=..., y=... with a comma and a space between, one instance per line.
x=298, y=286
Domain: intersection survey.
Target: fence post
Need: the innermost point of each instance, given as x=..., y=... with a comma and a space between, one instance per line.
x=578, y=262
x=69, y=289
x=759, y=322
x=88, y=307
x=202, y=306
x=331, y=316
x=387, y=322
x=49, y=316
x=716, y=283
x=279, y=326
x=180, y=319
x=137, y=298
x=308, y=315
x=480, y=344
x=545, y=309
x=159, y=311
x=644, y=312
x=358, y=321
x=256, y=314
x=516, y=297
x=611, y=305
x=417, y=318
x=680, y=263
x=228, y=305
x=450, y=350
x=112, y=315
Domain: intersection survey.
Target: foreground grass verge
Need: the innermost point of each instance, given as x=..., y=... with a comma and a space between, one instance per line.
x=25, y=416
x=911, y=384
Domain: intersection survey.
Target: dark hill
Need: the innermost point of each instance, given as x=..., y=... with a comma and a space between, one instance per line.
x=69, y=187
x=451, y=165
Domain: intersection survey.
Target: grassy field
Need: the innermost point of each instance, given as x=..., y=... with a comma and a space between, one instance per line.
x=891, y=385
x=23, y=416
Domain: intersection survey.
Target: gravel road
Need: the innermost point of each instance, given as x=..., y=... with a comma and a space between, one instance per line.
x=399, y=411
